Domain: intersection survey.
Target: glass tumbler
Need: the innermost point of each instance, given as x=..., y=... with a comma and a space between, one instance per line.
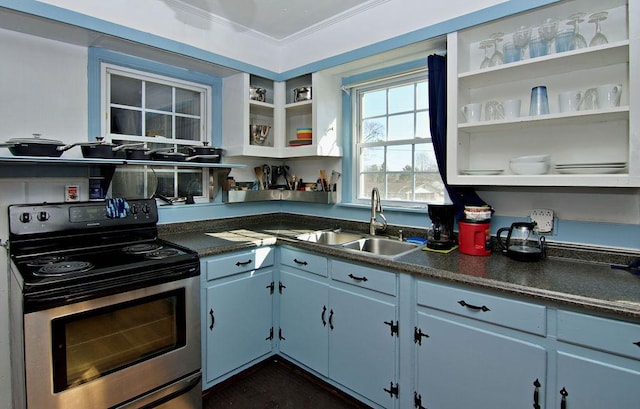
x=539, y=101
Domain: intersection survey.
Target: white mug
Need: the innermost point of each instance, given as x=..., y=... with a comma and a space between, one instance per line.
x=569, y=100
x=472, y=112
x=608, y=96
x=511, y=108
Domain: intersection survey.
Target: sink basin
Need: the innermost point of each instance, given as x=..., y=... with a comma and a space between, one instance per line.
x=381, y=246
x=331, y=238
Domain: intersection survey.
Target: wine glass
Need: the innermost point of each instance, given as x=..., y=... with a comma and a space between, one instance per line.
x=487, y=62
x=548, y=30
x=497, y=58
x=521, y=38
x=599, y=38
x=578, y=39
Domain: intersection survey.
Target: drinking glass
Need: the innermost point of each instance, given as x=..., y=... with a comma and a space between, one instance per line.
x=487, y=62
x=599, y=38
x=548, y=30
x=521, y=38
x=578, y=39
x=497, y=58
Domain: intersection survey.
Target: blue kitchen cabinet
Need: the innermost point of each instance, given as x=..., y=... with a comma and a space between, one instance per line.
x=463, y=362
x=237, y=312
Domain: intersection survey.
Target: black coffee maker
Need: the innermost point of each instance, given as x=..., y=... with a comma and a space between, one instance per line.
x=440, y=236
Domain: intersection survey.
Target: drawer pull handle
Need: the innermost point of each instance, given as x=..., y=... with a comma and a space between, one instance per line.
x=637, y=344
x=483, y=308
x=563, y=401
x=363, y=278
x=302, y=263
x=331, y=319
x=324, y=311
x=243, y=263
x=213, y=319
x=536, y=394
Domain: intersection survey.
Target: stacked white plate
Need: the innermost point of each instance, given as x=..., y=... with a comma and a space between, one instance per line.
x=591, y=168
x=530, y=165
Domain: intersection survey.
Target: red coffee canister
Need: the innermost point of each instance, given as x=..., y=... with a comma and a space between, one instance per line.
x=474, y=237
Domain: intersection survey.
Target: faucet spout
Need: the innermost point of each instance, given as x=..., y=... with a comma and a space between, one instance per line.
x=376, y=208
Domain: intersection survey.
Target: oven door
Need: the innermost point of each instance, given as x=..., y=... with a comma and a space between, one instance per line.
x=106, y=351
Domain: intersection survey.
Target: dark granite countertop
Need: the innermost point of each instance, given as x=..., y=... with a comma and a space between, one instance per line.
x=573, y=278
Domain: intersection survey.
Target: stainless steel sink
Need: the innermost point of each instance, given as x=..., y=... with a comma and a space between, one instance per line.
x=381, y=246
x=331, y=238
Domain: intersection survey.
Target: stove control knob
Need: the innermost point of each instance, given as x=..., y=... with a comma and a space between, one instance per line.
x=25, y=217
x=133, y=210
x=43, y=216
x=146, y=209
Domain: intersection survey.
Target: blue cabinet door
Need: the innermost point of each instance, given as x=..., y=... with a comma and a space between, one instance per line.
x=239, y=320
x=592, y=384
x=304, y=315
x=362, y=350
x=460, y=366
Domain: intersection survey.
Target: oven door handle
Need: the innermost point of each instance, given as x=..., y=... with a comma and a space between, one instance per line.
x=165, y=395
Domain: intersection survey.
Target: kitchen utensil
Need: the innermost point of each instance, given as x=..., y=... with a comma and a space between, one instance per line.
x=608, y=96
x=440, y=235
x=203, y=158
x=137, y=153
x=302, y=94
x=474, y=237
x=529, y=168
x=266, y=174
x=493, y=111
x=258, y=133
x=205, y=149
x=258, y=171
x=258, y=94
x=521, y=243
x=472, y=112
x=168, y=155
x=103, y=149
x=539, y=101
x=531, y=158
x=511, y=108
x=36, y=146
x=568, y=101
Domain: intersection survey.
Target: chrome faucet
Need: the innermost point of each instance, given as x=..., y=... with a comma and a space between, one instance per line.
x=376, y=206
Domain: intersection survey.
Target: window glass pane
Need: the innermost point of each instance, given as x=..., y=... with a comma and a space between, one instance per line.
x=188, y=128
x=399, y=158
x=126, y=122
x=158, y=97
x=429, y=187
x=422, y=125
x=368, y=182
x=422, y=96
x=166, y=183
x=400, y=186
x=126, y=91
x=158, y=125
x=189, y=183
x=374, y=130
x=187, y=102
x=401, y=127
x=425, y=158
x=401, y=99
x=374, y=103
x=372, y=159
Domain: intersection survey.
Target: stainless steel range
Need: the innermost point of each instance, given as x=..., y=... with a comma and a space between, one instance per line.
x=103, y=313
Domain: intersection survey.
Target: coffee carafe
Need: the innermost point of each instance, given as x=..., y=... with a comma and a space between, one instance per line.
x=521, y=242
x=440, y=235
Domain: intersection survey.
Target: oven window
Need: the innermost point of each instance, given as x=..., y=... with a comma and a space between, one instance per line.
x=92, y=344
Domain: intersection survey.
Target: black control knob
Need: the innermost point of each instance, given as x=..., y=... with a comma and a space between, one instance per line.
x=133, y=210
x=146, y=209
x=25, y=217
x=43, y=216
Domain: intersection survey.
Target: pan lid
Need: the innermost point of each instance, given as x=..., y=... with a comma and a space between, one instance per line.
x=36, y=139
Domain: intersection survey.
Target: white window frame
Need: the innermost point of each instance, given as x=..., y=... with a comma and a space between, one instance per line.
x=106, y=69
x=363, y=197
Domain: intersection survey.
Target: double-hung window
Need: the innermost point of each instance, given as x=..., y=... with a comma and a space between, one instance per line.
x=392, y=141
x=159, y=113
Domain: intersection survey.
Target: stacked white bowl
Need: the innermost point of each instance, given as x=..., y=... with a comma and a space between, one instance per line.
x=530, y=165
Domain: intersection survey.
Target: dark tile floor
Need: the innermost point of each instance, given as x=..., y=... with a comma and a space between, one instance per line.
x=276, y=383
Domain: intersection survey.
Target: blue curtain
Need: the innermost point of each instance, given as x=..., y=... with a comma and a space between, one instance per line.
x=460, y=195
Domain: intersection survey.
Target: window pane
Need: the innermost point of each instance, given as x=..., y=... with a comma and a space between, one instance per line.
x=166, y=183
x=372, y=159
x=400, y=127
x=401, y=99
x=429, y=187
x=158, y=97
x=158, y=125
x=422, y=96
x=425, y=158
x=374, y=130
x=187, y=102
x=126, y=91
x=126, y=122
x=189, y=183
x=368, y=182
x=188, y=128
x=422, y=125
x=399, y=158
x=374, y=104
x=400, y=186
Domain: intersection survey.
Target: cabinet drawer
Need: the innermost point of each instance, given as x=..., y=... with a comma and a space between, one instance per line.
x=365, y=277
x=609, y=335
x=240, y=262
x=496, y=310
x=304, y=261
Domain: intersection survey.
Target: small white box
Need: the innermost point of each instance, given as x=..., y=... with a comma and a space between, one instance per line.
x=71, y=193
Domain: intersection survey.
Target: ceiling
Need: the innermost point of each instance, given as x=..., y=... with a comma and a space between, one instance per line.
x=280, y=19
